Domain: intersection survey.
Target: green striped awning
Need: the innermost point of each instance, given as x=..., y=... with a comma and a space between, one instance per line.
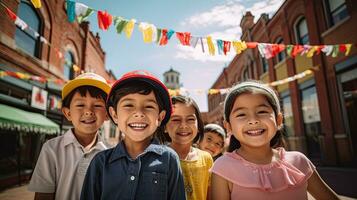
x=27, y=122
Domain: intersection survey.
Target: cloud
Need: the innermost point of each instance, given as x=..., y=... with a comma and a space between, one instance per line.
x=222, y=22
x=225, y=15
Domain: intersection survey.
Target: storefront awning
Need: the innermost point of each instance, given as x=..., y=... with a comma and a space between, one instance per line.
x=27, y=122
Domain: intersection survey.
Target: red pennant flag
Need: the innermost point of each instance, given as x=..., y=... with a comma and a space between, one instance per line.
x=251, y=45
x=164, y=38
x=226, y=47
x=11, y=14
x=296, y=50
x=184, y=38
x=342, y=48
x=104, y=20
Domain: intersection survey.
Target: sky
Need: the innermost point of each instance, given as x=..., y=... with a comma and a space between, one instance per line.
x=198, y=70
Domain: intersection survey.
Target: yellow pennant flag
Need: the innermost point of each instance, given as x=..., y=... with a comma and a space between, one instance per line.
x=210, y=45
x=311, y=52
x=348, y=49
x=239, y=46
x=36, y=3
x=147, y=31
x=129, y=28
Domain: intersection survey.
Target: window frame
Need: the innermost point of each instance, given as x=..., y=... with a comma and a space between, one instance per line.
x=299, y=37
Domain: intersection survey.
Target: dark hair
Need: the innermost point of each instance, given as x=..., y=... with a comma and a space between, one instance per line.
x=253, y=87
x=143, y=88
x=82, y=90
x=189, y=101
x=215, y=128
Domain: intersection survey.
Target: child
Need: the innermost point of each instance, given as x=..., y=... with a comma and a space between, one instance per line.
x=213, y=140
x=138, y=167
x=63, y=161
x=185, y=128
x=252, y=169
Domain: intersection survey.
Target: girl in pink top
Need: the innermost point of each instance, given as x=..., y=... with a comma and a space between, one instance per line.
x=256, y=166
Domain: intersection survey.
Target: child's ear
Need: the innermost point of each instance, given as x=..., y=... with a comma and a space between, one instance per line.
x=113, y=114
x=162, y=115
x=227, y=126
x=67, y=113
x=279, y=120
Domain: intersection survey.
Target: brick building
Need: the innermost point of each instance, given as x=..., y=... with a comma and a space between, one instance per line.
x=320, y=110
x=24, y=51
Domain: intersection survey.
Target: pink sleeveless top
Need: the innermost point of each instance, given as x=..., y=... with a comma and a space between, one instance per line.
x=282, y=179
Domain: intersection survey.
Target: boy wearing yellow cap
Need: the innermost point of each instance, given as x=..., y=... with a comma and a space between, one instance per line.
x=63, y=161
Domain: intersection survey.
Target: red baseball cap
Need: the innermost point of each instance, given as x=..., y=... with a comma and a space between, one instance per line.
x=143, y=76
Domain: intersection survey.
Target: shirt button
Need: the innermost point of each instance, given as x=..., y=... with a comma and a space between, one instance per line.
x=132, y=178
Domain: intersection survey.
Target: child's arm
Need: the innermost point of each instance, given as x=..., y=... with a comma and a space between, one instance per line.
x=44, y=196
x=219, y=188
x=319, y=189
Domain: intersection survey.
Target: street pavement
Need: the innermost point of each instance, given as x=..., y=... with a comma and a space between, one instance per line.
x=21, y=193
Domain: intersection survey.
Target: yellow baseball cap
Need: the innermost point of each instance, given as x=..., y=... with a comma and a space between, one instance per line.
x=86, y=79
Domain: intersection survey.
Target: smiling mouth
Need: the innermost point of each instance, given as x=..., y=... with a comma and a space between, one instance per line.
x=256, y=132
x=138, y=126
x=184, y=134
x=88, y=121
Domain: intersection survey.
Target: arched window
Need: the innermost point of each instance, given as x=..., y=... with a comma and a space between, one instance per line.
x=68, y=71
x=282, y=55
x=336, y=11
x=302, y=33
x=25, y=39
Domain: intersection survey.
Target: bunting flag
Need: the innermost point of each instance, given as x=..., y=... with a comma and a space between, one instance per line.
x=147, y=31
x=129, y=28
x=104, y=20
x=83, y=12
x=184, y=38
x=18, y=22
x=210, y=45
x=162, y=35
x=36, y=3
x=71, y=10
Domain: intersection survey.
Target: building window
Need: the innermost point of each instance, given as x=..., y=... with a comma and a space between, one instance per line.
x=281, y=55
x=288, y=114
x=177, y=79
x=26, y=40
x=68, y=71
x=312, y=122
x=265, y=65
x=336, y=11
x=302, y=32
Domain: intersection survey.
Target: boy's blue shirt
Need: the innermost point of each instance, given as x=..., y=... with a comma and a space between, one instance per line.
x=154, y=174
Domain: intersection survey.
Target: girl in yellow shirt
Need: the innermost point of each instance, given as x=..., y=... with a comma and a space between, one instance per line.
x=185, y=127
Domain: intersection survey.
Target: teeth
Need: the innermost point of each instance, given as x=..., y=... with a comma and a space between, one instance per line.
x=137, y=125
x=255, y=132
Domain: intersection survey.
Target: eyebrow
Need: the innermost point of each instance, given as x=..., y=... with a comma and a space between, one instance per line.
x=132, y=99
x=242, y=108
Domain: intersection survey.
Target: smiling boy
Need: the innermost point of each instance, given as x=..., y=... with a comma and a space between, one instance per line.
x=138, y=167
x=63, y=161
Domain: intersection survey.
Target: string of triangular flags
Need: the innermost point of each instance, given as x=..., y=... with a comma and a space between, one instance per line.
x=41, y=79
x=33, y=33
x=161, y=36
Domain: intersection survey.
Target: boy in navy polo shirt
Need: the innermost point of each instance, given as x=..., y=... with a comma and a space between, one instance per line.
x=138, y=167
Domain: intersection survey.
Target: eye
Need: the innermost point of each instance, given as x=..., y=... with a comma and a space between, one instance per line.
x=218, y=144
x=80, y=105
x=263, y=112
x=98, y=105
x=240, y=115
x=209, y=139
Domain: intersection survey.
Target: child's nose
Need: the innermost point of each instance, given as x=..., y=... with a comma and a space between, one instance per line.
x=253, y=121
x=138, y=113
x=88, y=113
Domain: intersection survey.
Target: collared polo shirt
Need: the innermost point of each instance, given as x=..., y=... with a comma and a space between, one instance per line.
x=154, y=174
x=62, y=165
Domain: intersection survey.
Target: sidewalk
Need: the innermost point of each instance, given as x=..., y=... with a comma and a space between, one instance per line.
x=21, y=192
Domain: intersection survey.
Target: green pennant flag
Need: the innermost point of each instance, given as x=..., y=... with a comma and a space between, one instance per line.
x=335, y=50
x=289, y=49
x=120, y=23
x=158, y=35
